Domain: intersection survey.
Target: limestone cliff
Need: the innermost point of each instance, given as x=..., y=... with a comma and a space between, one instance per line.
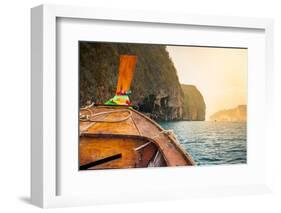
x=238, y=114
x=194, y=104
x=155, y=86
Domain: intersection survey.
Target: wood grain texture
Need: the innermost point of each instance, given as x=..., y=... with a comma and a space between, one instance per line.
x=101, y=140
x=93, y=149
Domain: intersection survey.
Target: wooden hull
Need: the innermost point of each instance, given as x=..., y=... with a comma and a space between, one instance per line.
x=136, y=142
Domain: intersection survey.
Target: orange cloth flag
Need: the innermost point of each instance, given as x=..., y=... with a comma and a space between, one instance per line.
x=125, y=74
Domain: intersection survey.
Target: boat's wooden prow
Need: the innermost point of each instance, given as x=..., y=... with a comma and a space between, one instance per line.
x=137, y=140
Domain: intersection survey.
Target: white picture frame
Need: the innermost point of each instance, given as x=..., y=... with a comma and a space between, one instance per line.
x=44, y=154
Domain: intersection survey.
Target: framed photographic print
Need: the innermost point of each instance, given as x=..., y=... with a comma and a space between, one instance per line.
x=130, y=106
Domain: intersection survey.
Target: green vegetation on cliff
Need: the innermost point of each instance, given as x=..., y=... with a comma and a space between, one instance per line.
x=155, y=86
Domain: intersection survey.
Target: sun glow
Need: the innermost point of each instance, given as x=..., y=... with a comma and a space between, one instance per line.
x=220, y=74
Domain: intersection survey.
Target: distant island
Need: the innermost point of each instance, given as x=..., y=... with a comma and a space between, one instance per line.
x=238, y=114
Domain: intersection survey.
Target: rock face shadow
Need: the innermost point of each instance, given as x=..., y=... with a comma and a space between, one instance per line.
x=155, y=86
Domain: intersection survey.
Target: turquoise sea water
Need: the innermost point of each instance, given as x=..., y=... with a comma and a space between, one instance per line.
x=212, y=143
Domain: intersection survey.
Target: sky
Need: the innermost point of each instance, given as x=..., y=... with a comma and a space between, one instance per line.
x=220, y=74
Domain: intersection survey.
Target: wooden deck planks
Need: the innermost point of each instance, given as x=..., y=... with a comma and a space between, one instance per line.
x=98, y=148
x=127, y=127
x=138, y=124
x=124, y=127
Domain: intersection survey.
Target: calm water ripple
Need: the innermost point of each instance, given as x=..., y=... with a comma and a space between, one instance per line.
x=212, y=143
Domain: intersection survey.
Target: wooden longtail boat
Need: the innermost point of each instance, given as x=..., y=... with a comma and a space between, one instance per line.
x=114, y=136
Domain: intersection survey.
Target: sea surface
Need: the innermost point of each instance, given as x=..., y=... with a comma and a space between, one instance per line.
x=212, y=143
